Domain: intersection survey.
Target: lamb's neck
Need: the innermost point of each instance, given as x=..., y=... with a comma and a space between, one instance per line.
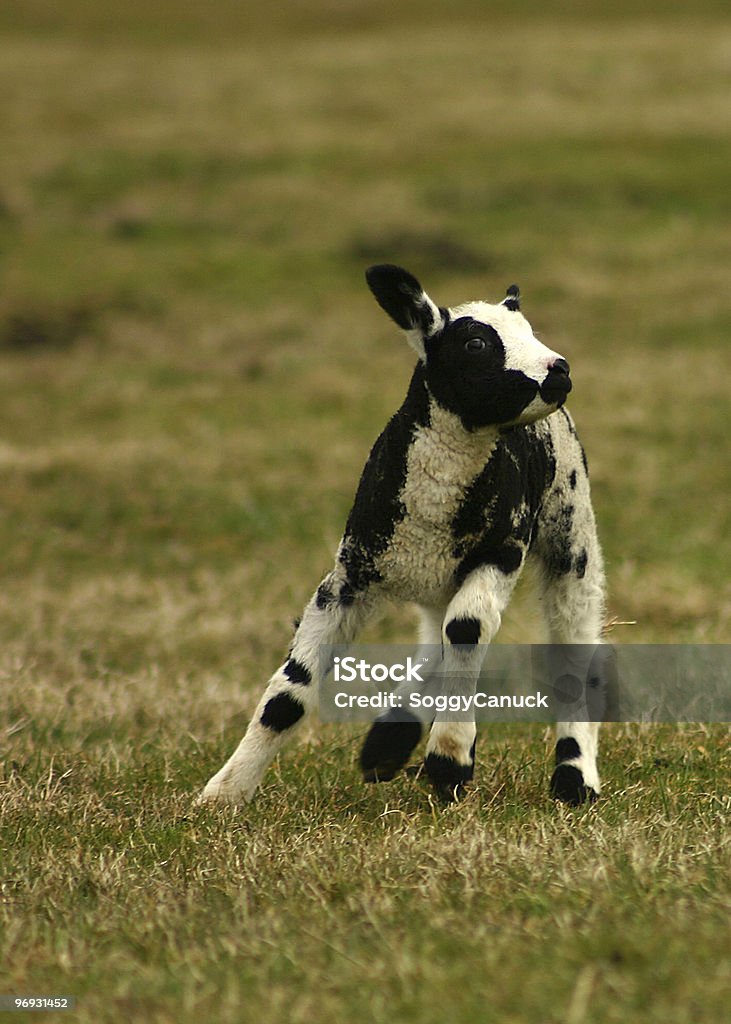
x=440, y=447
x=452, y=436
x=443, y=460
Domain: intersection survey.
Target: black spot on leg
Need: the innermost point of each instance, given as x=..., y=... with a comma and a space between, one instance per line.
x=447, y=776
x=325, y=596
x=328, y=593
x=567, y=785
x=387, y=747
x=281, y=712
x=572, y=480
x=471, y=765
x=463, y=631
x=347, y=594
x=559, y=560
x=580, y=564
x=296, y=672
x=567, y=749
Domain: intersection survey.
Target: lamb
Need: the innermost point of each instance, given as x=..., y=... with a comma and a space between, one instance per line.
x=478, y=472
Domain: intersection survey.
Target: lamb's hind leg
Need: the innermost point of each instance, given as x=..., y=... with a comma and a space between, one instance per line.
x=333, y=616
x=573, y=597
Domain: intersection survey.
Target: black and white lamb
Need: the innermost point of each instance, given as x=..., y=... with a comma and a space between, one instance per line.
x=479, y=471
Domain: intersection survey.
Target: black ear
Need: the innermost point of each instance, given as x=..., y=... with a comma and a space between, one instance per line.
x=402, y=297
x=512, y=298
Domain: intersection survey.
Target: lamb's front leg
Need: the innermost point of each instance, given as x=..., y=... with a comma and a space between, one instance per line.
x=471, y=621
x=333, y=616
x=394, y=735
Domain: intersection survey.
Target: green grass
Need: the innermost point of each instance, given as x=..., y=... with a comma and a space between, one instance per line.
x=191, y=375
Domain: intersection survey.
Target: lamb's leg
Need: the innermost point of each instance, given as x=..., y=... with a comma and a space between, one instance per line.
x=573, y=598
x=393, y=736
x=333, y=616
x=471, y=621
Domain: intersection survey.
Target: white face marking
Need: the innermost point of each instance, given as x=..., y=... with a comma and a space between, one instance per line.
x=523, y=351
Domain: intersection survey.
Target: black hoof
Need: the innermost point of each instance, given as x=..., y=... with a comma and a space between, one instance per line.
x=387, y=748
x=447, y=777
x=567, y=785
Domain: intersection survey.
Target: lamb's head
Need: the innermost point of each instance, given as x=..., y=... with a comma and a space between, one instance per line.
x=481, y=361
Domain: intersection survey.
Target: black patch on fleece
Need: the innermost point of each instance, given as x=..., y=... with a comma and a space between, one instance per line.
x=296, y=672
x=497, y=518
x=463, y=631
x=281, y=712
x=567, y=749
x=377, y=508
x=558, y=559
x=388, y=745
x=572, y=480
x=505, y=557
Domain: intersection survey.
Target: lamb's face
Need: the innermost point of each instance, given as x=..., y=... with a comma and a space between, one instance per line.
x=482, y=362
x=486, y=366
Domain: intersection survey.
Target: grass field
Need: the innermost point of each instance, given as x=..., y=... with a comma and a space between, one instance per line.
x=191, y=375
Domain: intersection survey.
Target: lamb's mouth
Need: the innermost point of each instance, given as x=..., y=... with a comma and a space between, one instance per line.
x=555, y=391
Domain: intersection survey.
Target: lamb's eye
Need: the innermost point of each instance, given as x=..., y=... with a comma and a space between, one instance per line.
x=475, y=344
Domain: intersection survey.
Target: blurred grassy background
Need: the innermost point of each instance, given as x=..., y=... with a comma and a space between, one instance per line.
x=192, y=371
